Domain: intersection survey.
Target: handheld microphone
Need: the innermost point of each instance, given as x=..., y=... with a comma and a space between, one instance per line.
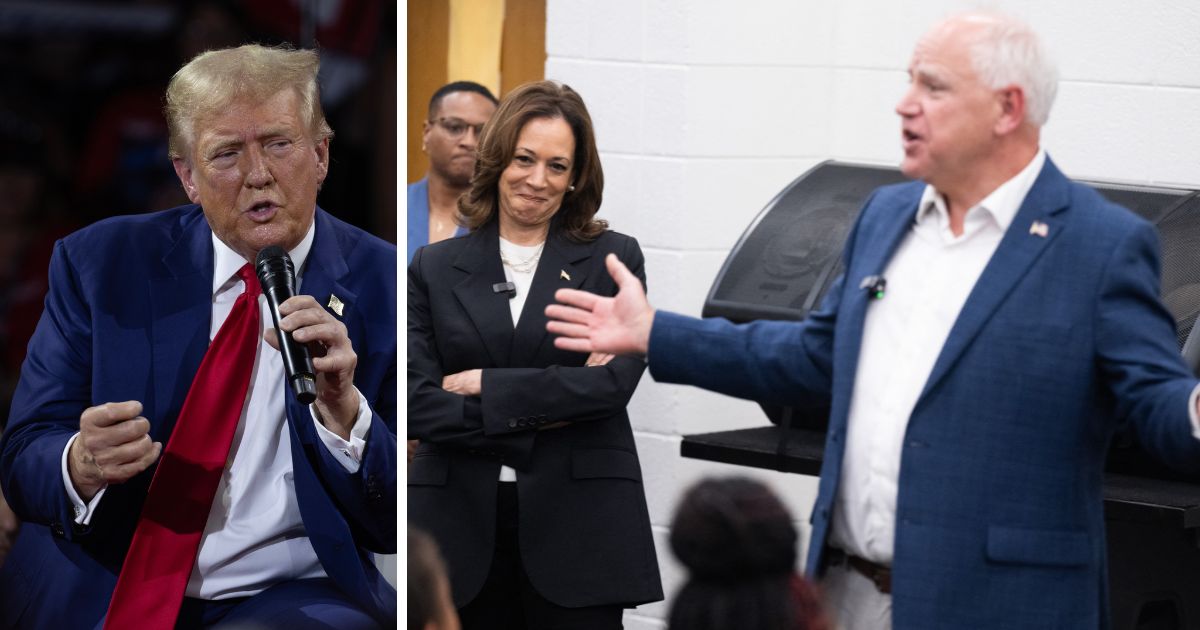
x=277, y=276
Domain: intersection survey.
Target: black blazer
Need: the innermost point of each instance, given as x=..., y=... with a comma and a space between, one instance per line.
x=584, y=530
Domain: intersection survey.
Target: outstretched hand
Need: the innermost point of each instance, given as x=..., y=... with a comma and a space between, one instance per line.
x=586, y=322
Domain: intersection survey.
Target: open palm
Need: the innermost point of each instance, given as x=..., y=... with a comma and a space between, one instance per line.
x=586, y=322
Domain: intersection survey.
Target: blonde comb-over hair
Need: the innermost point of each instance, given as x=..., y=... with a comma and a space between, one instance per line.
x=215, y=79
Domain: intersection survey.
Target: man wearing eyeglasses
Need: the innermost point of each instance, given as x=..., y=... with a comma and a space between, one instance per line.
x=457, y=113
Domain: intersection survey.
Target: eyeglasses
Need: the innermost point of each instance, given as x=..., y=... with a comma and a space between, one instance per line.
x=455, y=127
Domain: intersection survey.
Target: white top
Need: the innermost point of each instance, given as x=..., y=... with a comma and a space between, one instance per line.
x=928, y=280
x=522, y=277
x=254, y=536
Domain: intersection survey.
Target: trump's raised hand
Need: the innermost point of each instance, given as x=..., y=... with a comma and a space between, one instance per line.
x=586, y=322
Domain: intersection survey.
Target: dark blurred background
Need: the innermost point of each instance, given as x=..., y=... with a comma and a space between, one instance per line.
x=82, y=135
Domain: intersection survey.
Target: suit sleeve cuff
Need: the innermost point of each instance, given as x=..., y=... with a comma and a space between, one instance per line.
x=668, y=334
x=348, y=453
x=83, y=511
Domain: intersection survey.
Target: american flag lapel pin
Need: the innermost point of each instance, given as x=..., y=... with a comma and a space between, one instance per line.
x=1039, y=229
x=336, y=305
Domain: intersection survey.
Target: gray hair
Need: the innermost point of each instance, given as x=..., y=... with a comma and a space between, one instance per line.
x=215, y=79
x=1008, y=52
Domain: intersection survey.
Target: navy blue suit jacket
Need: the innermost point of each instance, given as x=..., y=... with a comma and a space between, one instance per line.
x=999, y=518
x=127, y=318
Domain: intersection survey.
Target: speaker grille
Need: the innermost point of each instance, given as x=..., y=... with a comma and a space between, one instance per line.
x=1149, y=203
x=1179, y=233
x=792, y=251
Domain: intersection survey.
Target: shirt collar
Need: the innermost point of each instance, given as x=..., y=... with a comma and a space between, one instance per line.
x=226, y=262
x=1002, y=203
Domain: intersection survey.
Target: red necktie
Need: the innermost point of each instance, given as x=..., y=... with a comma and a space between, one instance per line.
x=160, y=558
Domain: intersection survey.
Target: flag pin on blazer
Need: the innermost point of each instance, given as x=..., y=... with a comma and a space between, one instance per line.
x=336, y=305
x=1039, y=228
x=563, y=275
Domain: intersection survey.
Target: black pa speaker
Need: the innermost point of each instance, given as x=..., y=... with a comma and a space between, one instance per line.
x=785, y=261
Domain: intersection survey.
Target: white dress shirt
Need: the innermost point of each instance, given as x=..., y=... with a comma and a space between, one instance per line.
x=254, y=536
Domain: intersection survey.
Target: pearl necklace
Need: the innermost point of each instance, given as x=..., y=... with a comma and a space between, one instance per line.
x=523, y=265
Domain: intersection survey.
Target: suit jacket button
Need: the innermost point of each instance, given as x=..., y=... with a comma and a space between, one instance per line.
x=512, y=423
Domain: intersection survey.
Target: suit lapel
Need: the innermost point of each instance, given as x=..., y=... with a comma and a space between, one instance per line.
x=1021, y=245
x=556, y=270
x=181, y=304
x=487, y=310
x=325, y=270
x=323, y=277
x=877, y=245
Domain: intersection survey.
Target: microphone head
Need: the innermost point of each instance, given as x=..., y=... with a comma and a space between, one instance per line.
x=274, y=267
x=270, y=251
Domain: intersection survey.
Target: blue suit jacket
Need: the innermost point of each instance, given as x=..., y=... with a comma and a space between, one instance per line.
x=127, y=318
x=418, y=217
x=999, y=518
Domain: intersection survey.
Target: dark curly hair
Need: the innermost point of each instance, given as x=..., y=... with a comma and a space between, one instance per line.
x=497, y=144
x=739, y=544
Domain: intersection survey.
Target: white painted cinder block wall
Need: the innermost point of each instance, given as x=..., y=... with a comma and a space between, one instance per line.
x=705, y=109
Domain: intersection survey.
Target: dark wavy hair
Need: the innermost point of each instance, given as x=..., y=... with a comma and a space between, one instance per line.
x=541, y=99
x=739, y=544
